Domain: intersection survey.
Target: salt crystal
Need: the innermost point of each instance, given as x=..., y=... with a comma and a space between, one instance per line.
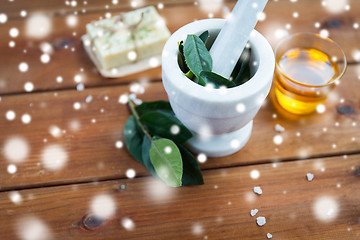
x=261, y=221
x=254, y=212
x=279, y=128
x=258, y=190
x=268, y=235
x=310, y=177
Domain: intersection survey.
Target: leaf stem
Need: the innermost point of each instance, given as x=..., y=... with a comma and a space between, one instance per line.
x=137, y=118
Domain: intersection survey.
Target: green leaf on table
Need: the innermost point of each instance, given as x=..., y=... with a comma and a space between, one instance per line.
x=146, y=145
x=166, y=159
x=204, y=36
x=160, y=124
x=192, y=173
x=197, y=57
x=216, y=80
x=133, y=138
x=146, y=107
x=244, y=71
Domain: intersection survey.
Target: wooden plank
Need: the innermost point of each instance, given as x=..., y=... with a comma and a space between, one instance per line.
x=92, y=154
x=67, y=63
x=326, y=208
x=62, y=7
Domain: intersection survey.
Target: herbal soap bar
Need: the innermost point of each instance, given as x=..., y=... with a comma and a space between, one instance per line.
x=128, y=37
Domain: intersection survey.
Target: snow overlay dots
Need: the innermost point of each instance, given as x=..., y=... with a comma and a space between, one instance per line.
x=12, y=44
x=3, y=18
x=54, y=157
x=335, y=6
x=55, y=131
x=103, y=206
x=123, y=99
x=168, y=149
x=45, y=58
x=202, y=158
x=23, y=13
x=128, y=224
x=325, y=208
x=261, y=16
x=28, y=86
x=31, y=228
x=235, y=143
x=324, y=33
x=14, y=32
x=77, y=105
x=175, y=129
x=210, y=5
x=10, y=115
x=160, y=6
x=132, y=56
x=71, y=21
x=46, y=47
x=240, y=107
x=23, y=67
x=15, y=197
x=119, y=144
x=320, y=108
x=11, y=168
x=130, y=173
x=78, y=78
x=59, y=79
x=154, y=62
x=16, y=149
x=281, y=33
x=38, y=25
x=278, y=139
x=197, y=229
x=26, y=118
x=254, y=174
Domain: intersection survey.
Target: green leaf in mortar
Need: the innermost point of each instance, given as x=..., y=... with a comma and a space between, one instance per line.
x=146, y=107
x=181, y=47
x=204, y=36
x=216, y=80
x=133, y=138
x=166, y=159
x=192, y=173
x=161, y=124
x=244, y=72
x=181, y=59
x=196, y=55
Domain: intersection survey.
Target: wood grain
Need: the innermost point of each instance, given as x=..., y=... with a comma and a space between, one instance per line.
x=326, y=208
x=92, y=154
x=67, y=63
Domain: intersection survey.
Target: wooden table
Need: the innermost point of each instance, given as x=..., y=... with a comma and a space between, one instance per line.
x=39, y=200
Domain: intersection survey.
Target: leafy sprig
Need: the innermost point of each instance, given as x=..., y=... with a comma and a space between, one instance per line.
x=149, y=139
x=196, y=63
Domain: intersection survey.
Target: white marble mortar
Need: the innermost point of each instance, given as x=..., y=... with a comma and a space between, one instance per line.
x=220, y=119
